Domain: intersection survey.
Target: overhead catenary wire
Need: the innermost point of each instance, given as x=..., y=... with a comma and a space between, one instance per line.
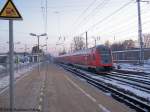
x=86, y=18
x=46, y=18
x=112, y=14
x=44, y=10
x=89, y=6
x=121, y=25
x=43, y=13
x=122, y=30
x=107, y=17
x=124, y=27
x=84, y=11
x=6, y=30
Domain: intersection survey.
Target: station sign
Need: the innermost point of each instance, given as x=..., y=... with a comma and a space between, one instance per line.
x=10, y=12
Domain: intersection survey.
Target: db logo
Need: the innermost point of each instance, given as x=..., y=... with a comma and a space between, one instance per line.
x=10, y=12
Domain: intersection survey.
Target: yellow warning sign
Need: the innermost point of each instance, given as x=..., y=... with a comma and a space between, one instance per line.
x=10, y=11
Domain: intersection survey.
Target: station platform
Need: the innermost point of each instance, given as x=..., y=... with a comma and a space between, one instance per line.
x=57, y=90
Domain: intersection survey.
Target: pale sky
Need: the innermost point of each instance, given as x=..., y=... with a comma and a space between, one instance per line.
x=69, y=18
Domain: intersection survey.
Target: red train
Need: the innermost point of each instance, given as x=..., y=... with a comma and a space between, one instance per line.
x=98, y=58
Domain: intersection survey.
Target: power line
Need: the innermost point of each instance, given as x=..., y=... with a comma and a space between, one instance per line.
x=143, y=12
x=6, y=30
x=130, y=21
x=84, y=11
x=120, y=25
x=91, y=4
x=145, y=22
x=107, y=17
x=44, y=7
x=65, y=6
x=46, y=14
x=102, y=4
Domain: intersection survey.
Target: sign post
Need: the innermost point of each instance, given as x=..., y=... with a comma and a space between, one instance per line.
x=10, y=12
x=11, y=66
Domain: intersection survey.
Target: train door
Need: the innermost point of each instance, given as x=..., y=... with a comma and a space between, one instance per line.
x=93, y=57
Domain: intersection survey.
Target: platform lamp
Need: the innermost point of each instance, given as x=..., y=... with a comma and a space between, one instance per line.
x=38, y=37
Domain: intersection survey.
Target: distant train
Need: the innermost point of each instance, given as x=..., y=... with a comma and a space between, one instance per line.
x=98, y=58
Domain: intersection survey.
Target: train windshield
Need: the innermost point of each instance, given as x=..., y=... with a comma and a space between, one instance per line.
x=105, y=55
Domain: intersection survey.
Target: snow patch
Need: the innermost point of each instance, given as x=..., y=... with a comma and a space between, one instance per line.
x=130, y=67
x=4, y=82
x=125, y=87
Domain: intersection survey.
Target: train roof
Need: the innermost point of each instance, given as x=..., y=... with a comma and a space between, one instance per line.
x=101, y=46
x=83, y=51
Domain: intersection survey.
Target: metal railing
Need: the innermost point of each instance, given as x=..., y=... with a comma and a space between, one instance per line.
x=130, y=56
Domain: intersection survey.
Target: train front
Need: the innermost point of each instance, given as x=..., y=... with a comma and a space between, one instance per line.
x=104, y=58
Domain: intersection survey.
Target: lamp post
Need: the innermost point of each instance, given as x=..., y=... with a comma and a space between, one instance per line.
x=38, y=38
x=61, y=44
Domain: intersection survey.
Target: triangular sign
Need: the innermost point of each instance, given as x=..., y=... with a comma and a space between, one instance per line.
x=10, y=11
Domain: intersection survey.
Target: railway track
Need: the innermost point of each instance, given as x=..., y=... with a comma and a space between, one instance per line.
x=141, y=78
x=117, y=93
x=141, y=85
x=147, y=75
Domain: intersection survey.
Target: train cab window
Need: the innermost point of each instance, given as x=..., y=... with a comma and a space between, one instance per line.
x=104, y=51
x=105, y=54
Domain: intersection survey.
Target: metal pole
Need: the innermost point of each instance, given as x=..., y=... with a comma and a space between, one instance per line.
x=38, y=42
x=140, y=32
x=46, y=30
x=86, y=41
x=38, y=54
x=46, y=19
x=25, y=48
x=11, y=64
x=95, y=42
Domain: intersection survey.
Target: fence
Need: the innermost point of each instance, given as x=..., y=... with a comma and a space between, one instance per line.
x=130, y=56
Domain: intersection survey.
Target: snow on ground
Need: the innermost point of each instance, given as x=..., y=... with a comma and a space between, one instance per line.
x=125, y=87
x=132, y=67
x=4, y=82
x=2, y=68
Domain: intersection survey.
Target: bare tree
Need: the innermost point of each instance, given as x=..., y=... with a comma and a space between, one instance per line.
x=107, y=43
x=117, y=46
x=146, y=40
x=77, y=44
x=127, y=44
x=71, y=47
